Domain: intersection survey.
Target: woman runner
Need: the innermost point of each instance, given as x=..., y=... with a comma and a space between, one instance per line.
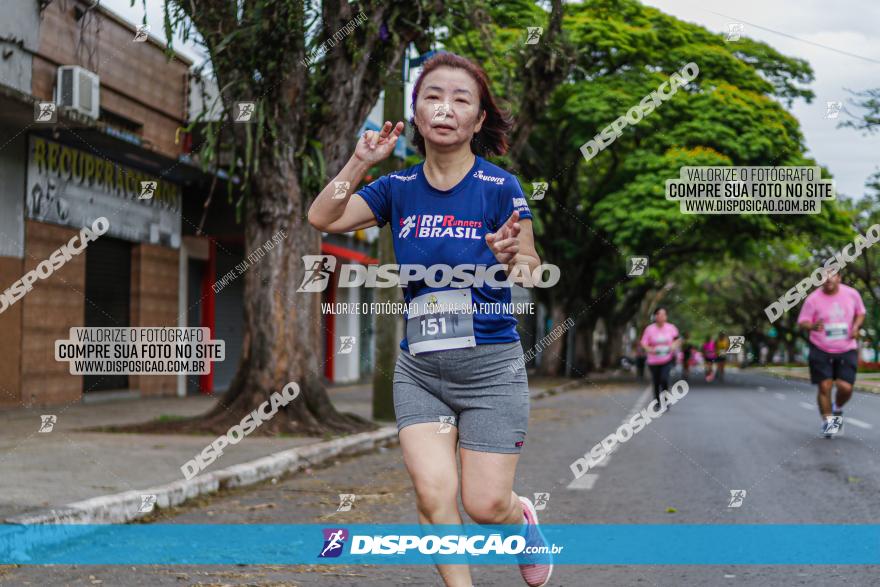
x=710, y=358
x=454, y=375
x=661, y=341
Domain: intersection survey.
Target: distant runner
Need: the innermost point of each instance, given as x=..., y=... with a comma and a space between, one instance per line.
x=660, y=340
x=721, y=346
x=833, y=316
x=709, y=359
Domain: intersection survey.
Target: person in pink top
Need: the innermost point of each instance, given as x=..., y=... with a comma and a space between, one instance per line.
x=833, y=315
x=710, y=358
x=660, y=341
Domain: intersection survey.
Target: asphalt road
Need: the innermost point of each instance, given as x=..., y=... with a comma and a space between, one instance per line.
x=752, y=432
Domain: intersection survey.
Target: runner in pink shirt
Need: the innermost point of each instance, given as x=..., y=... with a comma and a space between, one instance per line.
x=660, y=340
x=710, y=359
x=833, y=316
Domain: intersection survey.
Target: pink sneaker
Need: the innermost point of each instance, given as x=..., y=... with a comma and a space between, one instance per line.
x=536, y=572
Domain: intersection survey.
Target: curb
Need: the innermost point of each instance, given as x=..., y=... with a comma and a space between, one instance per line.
x=806, y=378
x=124, y=507
x=119, y=508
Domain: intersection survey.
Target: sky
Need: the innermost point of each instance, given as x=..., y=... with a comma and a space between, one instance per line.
x=839, y=40
x=847, y=26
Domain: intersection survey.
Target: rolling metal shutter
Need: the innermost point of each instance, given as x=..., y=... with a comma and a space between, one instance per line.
x=228, y=318
x=108, y=298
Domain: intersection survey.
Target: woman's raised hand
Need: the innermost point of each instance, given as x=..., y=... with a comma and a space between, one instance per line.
x=374, y=147
x=504, y=243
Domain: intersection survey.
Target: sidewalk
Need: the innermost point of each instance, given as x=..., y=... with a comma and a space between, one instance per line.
x=869, y=382
x=45, y=471
x=48, y=470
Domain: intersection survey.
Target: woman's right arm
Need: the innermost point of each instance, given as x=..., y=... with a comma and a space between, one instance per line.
x=332, y=213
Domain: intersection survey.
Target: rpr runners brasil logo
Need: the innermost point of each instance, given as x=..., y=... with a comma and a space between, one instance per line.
x=334, y=541
x=442, y=226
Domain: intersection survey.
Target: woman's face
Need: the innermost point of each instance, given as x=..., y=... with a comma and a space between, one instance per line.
x=447, y=109
x=660, y=317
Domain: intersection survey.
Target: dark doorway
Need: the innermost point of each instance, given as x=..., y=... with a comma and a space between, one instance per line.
x=108, y=298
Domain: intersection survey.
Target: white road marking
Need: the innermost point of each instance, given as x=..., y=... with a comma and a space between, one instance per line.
x=638, y=406
x=848, y=420
x=587, y=480
x=857, y=423
x=779, y=395
x=762, y=389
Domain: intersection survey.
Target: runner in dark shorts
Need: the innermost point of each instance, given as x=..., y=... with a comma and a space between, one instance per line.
x=830, y=366
x=833, y=316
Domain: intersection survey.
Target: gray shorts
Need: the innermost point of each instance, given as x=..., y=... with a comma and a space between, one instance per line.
x=471, y=388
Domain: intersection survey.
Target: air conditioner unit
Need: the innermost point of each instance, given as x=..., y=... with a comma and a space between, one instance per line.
x=78, y=88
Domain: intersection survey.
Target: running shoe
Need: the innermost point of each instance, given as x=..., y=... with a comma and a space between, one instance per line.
x=825, y=427
x=534, y=568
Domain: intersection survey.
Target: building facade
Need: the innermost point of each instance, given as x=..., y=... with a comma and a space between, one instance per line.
x=90, y=117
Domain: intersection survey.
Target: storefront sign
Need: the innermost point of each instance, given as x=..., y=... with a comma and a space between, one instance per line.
x=72, y=187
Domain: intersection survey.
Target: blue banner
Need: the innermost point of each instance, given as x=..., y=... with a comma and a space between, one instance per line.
x=291, y=544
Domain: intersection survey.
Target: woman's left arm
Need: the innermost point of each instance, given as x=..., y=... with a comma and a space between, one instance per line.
x=514, y=246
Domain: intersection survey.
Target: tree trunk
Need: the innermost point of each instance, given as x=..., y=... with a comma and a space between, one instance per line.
x=386, y=325
x=282, y=336
x=386, y=339
x=583, y=349
x=613, y=350
x=553, y=354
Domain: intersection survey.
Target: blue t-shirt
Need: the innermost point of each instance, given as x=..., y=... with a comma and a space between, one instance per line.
x=449, y=227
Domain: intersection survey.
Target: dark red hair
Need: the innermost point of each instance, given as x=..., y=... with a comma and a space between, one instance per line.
x=492, y=138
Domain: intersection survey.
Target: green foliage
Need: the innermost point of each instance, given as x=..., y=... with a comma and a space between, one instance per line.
x=866, y=105
x=598, y=213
